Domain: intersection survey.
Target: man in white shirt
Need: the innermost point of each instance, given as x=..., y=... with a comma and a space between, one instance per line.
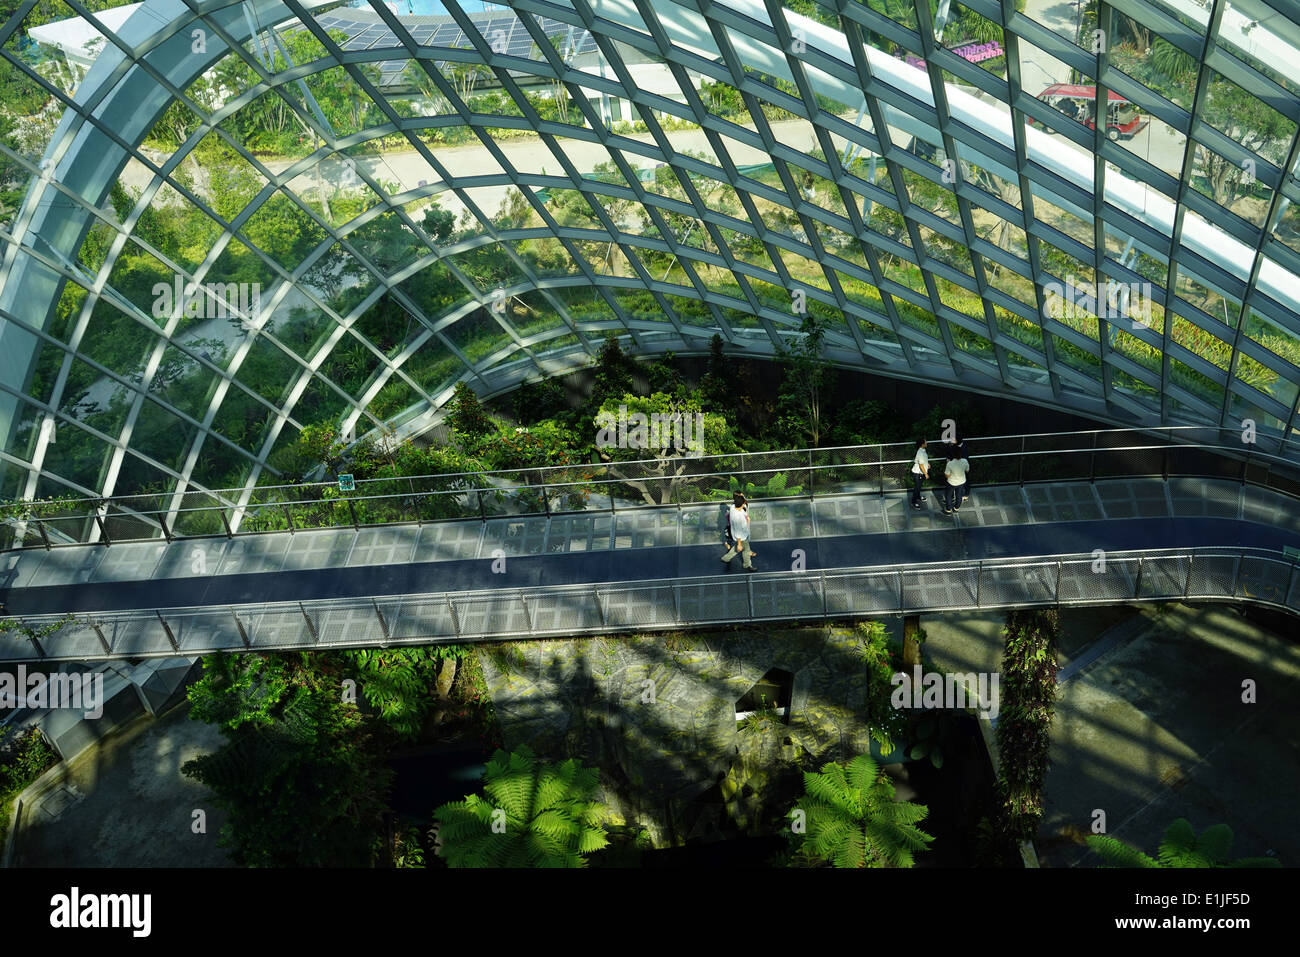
x=920, y=471
x=739, y=518
x=955, y=472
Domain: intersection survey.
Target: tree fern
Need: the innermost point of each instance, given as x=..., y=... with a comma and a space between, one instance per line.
x=854, y=821
x=1179, y=847
x=544, y=813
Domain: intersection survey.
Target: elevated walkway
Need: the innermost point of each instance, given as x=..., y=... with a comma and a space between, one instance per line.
x=833, y=555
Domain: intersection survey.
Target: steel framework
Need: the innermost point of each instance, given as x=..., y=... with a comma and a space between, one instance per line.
x=914, y=210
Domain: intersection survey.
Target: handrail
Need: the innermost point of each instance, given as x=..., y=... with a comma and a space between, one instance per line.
x=469, y=502
x=1250, y=575
x=234, y=493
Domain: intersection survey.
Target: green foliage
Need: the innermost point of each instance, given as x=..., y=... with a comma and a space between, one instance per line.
x=1179, y=847
x=882, y=658
x=408, y=852
x=867, y=422
x=438, y=223
x=21, y=627
x=664, y=375
x=532, y=446
x=1171, y=60
x=930, y=735
x=466, y=417
x=930, y=426
x=854, y=821
x=776, y=486
x=808, y=379
x=535, y=401
x=1027, y=703
x=321, y=444
x=235, y=690
x=664, y=475
x=302, y=782
x=715, y=384
x=612, y=373
x=22, y=760
x=397, y=683
x=544, y=816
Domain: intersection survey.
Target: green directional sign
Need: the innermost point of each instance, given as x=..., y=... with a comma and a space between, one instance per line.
x=347, y=483
x=1291, y=552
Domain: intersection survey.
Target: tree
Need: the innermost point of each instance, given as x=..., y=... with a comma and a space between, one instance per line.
x=533, y=815
x=1027, y=704
x=808, y=377
x=573, y=208
x=235, y=690
x=1252, y=123
x=545, y=443
x=559, y=95
x=1179, y=847
x=612, y=372
x=534, y=401
x=715, y=384
x=466, y=417
x=867, y=422
x=1173, y=61
x=664, y=375
x=438, y=222
x=853, y=820
x=396, y=682
x=686, y=228
x=663, y=434
x=465, y=77
x=302, y=783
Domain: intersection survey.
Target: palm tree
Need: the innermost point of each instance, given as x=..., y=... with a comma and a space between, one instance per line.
x=1179, y=847
x=534, y=815
x=854, y=821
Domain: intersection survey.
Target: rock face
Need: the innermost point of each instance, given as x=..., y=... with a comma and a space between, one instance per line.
x=657, y=715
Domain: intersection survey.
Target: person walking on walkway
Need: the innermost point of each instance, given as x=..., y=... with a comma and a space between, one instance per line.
x=739, y=519
x=955, y=473
x=920, y=472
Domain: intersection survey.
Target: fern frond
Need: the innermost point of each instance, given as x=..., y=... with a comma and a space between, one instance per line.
x=1115, y=853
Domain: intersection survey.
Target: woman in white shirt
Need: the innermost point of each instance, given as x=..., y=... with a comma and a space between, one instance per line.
x=920, y=471
x=955, y=471
x=739, y=518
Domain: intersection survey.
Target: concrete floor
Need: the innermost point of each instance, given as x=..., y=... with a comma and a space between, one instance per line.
x=126, y=803
x=1155, y=729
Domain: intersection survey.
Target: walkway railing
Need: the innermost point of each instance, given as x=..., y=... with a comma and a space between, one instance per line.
x=1214, y=574
x=1191, y=451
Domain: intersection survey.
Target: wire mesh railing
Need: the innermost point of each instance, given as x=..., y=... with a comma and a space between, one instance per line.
x=620, y=485
x=1200, y=574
